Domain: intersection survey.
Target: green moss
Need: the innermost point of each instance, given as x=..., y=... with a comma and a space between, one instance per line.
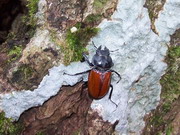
x=171, y=80
x=166, y=107
x=11, y=35
x=170, y=92
x=93, y=18
x=99, y=4
x=27, y=71
x=23, y=73
x=15, y=53
x=32, y=9
x=169, y=130
x=30, y=20
x=7, y=127
x=76, y=42
x=156, y=120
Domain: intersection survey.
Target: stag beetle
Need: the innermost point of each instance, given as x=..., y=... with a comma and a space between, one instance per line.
x=99, y=79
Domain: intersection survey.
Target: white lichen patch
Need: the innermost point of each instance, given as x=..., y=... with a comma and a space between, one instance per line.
x=168, y=19
x=38, y=43
x=139, y=60
x=15, y=103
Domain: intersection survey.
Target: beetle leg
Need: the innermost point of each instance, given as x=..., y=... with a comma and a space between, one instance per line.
x=84, y=86
x=77, y=73
x=87, y=60
x=117, y=75
x=111, y=95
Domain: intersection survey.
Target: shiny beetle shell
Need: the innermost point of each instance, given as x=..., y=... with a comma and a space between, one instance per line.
x=98, y=83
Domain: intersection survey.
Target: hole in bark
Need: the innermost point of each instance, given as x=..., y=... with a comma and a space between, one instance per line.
x=9, y=10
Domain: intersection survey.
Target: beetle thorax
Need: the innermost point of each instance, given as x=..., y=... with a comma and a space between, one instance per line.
x=102, y=59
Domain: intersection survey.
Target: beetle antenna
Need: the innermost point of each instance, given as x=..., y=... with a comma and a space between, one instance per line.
x=114, y=50
x=94, y=45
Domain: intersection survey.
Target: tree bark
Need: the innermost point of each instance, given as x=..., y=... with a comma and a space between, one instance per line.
x=67, y=113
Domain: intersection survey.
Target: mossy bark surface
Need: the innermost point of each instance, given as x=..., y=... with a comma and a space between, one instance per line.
x=164, y=120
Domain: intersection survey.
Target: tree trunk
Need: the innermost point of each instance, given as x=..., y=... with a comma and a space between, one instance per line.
x=67, y=113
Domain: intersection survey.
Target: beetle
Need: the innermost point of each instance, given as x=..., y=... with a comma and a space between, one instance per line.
x=99, y=79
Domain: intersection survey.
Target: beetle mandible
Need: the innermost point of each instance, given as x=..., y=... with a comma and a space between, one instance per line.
x=99, y=79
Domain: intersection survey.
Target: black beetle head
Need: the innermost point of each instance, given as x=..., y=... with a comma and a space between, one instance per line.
x=104, y=52
x=102, y=59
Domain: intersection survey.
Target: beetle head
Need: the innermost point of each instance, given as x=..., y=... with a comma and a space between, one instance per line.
x=104, y=52
x=102, y=59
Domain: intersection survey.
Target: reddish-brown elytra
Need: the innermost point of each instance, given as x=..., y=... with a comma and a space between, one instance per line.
x=98, y=83
x=99, y=79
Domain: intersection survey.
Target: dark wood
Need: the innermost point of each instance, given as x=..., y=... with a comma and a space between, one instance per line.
x=67, y=113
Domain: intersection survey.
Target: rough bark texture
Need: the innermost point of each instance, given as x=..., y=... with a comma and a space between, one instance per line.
x=16, y=74
x=175, y=38
x=27, y=68
x=69, y=111
x=173, y=117
x=62, y=14
x=166, y=117
x=9, y=9
x=154, y=7
x=12, y=33
x=66, y=114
